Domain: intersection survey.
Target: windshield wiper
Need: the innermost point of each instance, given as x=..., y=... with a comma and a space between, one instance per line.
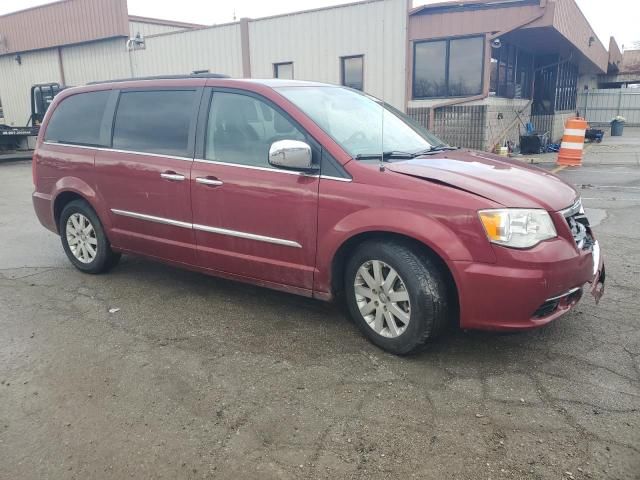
x=442, y=147
x=399, y=155
x=385, y=155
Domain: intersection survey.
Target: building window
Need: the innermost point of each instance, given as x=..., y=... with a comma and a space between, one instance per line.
x=352, y=72
x=448, y=68
x=283, y=70
x=511, y=72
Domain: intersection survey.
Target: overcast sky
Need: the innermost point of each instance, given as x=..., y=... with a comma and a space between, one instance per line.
x=611, y=17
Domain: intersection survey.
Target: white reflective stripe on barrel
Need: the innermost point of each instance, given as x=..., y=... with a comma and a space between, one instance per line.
x=572, y=145
x=575, y=132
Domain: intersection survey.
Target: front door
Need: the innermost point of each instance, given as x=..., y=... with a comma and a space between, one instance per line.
x=251, y=219
x=144, y=177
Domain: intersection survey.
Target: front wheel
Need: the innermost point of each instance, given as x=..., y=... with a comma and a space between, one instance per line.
x=84, y=240
x=397, y=295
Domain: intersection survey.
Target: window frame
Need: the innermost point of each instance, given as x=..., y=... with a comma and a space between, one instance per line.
x=319, y=154
x=279, y=64
x=193, y=118
x=104, y=134
x=448, y=41
x=517, y=67
x=342, y=70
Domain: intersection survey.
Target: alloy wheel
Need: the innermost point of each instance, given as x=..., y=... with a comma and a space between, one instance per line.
x=382, y=298
x=81, y=237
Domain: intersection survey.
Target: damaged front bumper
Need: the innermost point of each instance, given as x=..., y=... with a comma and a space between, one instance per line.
x=599, y=274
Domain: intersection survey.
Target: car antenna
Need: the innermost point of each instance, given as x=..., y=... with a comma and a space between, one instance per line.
x=381, y=166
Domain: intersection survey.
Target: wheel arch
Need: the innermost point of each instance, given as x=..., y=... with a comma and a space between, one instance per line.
x=62, y=200
x=69, y=189
x=350, y=245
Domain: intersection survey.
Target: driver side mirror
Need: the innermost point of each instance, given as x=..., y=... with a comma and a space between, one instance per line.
x=291, y=154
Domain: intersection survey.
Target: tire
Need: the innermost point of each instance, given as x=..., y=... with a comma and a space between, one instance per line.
x=78, y=243
x=420, y=280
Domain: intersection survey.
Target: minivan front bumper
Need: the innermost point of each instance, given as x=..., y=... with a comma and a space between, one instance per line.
x=526, y=288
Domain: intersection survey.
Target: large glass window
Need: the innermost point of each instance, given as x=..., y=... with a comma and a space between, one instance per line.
x=430, y=69
x=448, y=68
x=241, y=129
x=511, y=72
x=78, y=120
x=283, y=70
x=154, y=121
x=357, y=122
x=353, y=72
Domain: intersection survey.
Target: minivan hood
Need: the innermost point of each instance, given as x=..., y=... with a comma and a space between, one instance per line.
x=505, y=181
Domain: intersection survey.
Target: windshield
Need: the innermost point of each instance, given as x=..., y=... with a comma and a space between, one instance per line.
x=355, y=121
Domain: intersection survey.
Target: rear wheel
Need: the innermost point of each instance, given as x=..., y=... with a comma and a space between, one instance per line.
x=396, y=295
x=84, y=240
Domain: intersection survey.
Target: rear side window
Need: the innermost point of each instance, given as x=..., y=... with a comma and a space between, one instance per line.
x=154, y=121
x=78, y=119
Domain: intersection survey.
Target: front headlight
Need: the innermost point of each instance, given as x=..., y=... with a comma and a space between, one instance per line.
x=517, y=227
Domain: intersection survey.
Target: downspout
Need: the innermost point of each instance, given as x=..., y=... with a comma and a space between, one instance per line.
x=487, y=60
x=61, y=67
x=245, y=47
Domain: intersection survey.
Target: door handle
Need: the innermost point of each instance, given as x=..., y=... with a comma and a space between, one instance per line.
x=173, y=176
x=214, y=182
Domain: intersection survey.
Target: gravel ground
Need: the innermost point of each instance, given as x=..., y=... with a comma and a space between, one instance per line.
x=196, y=377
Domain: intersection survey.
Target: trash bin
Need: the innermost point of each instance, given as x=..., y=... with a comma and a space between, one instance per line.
x=617, y=126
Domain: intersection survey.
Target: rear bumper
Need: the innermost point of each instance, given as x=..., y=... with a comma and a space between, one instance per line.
x=526, y=288
x=42, y=204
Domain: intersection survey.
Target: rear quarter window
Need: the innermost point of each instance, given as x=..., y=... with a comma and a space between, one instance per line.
x=155, y=121
x=77, y=120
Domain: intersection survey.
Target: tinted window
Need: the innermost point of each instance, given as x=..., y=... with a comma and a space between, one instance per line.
x=429, y=69
x=78, y=119
x=241, y=130
x=352, y=72
x=448, y=68
x=465, y=66
x=154, y=121
x=283, y=70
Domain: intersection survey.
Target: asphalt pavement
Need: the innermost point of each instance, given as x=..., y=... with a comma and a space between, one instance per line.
x=155, y=372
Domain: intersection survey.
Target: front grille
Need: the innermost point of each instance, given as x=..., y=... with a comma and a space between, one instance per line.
x=579, y=226
x=551, y=305
x=547, y=308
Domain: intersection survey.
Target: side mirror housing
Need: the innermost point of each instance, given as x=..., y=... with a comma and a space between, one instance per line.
x=292, y=155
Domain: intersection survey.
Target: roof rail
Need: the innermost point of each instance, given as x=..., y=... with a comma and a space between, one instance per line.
x=163, y=77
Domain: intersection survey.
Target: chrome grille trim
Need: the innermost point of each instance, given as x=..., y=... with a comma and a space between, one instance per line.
x=573, y=209
x=566, y=294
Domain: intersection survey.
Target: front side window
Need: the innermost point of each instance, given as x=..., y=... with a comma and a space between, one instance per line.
x=78, y=120
x=353, y=72
x=448, y=68
x=358, y=122
x=241, y=129
x=154, y=121
x=283, y=70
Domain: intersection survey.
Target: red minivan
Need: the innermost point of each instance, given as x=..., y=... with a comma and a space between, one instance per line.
x=317, y=190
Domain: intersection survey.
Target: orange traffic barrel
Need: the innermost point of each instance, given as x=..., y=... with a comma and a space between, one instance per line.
x=572, y=145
